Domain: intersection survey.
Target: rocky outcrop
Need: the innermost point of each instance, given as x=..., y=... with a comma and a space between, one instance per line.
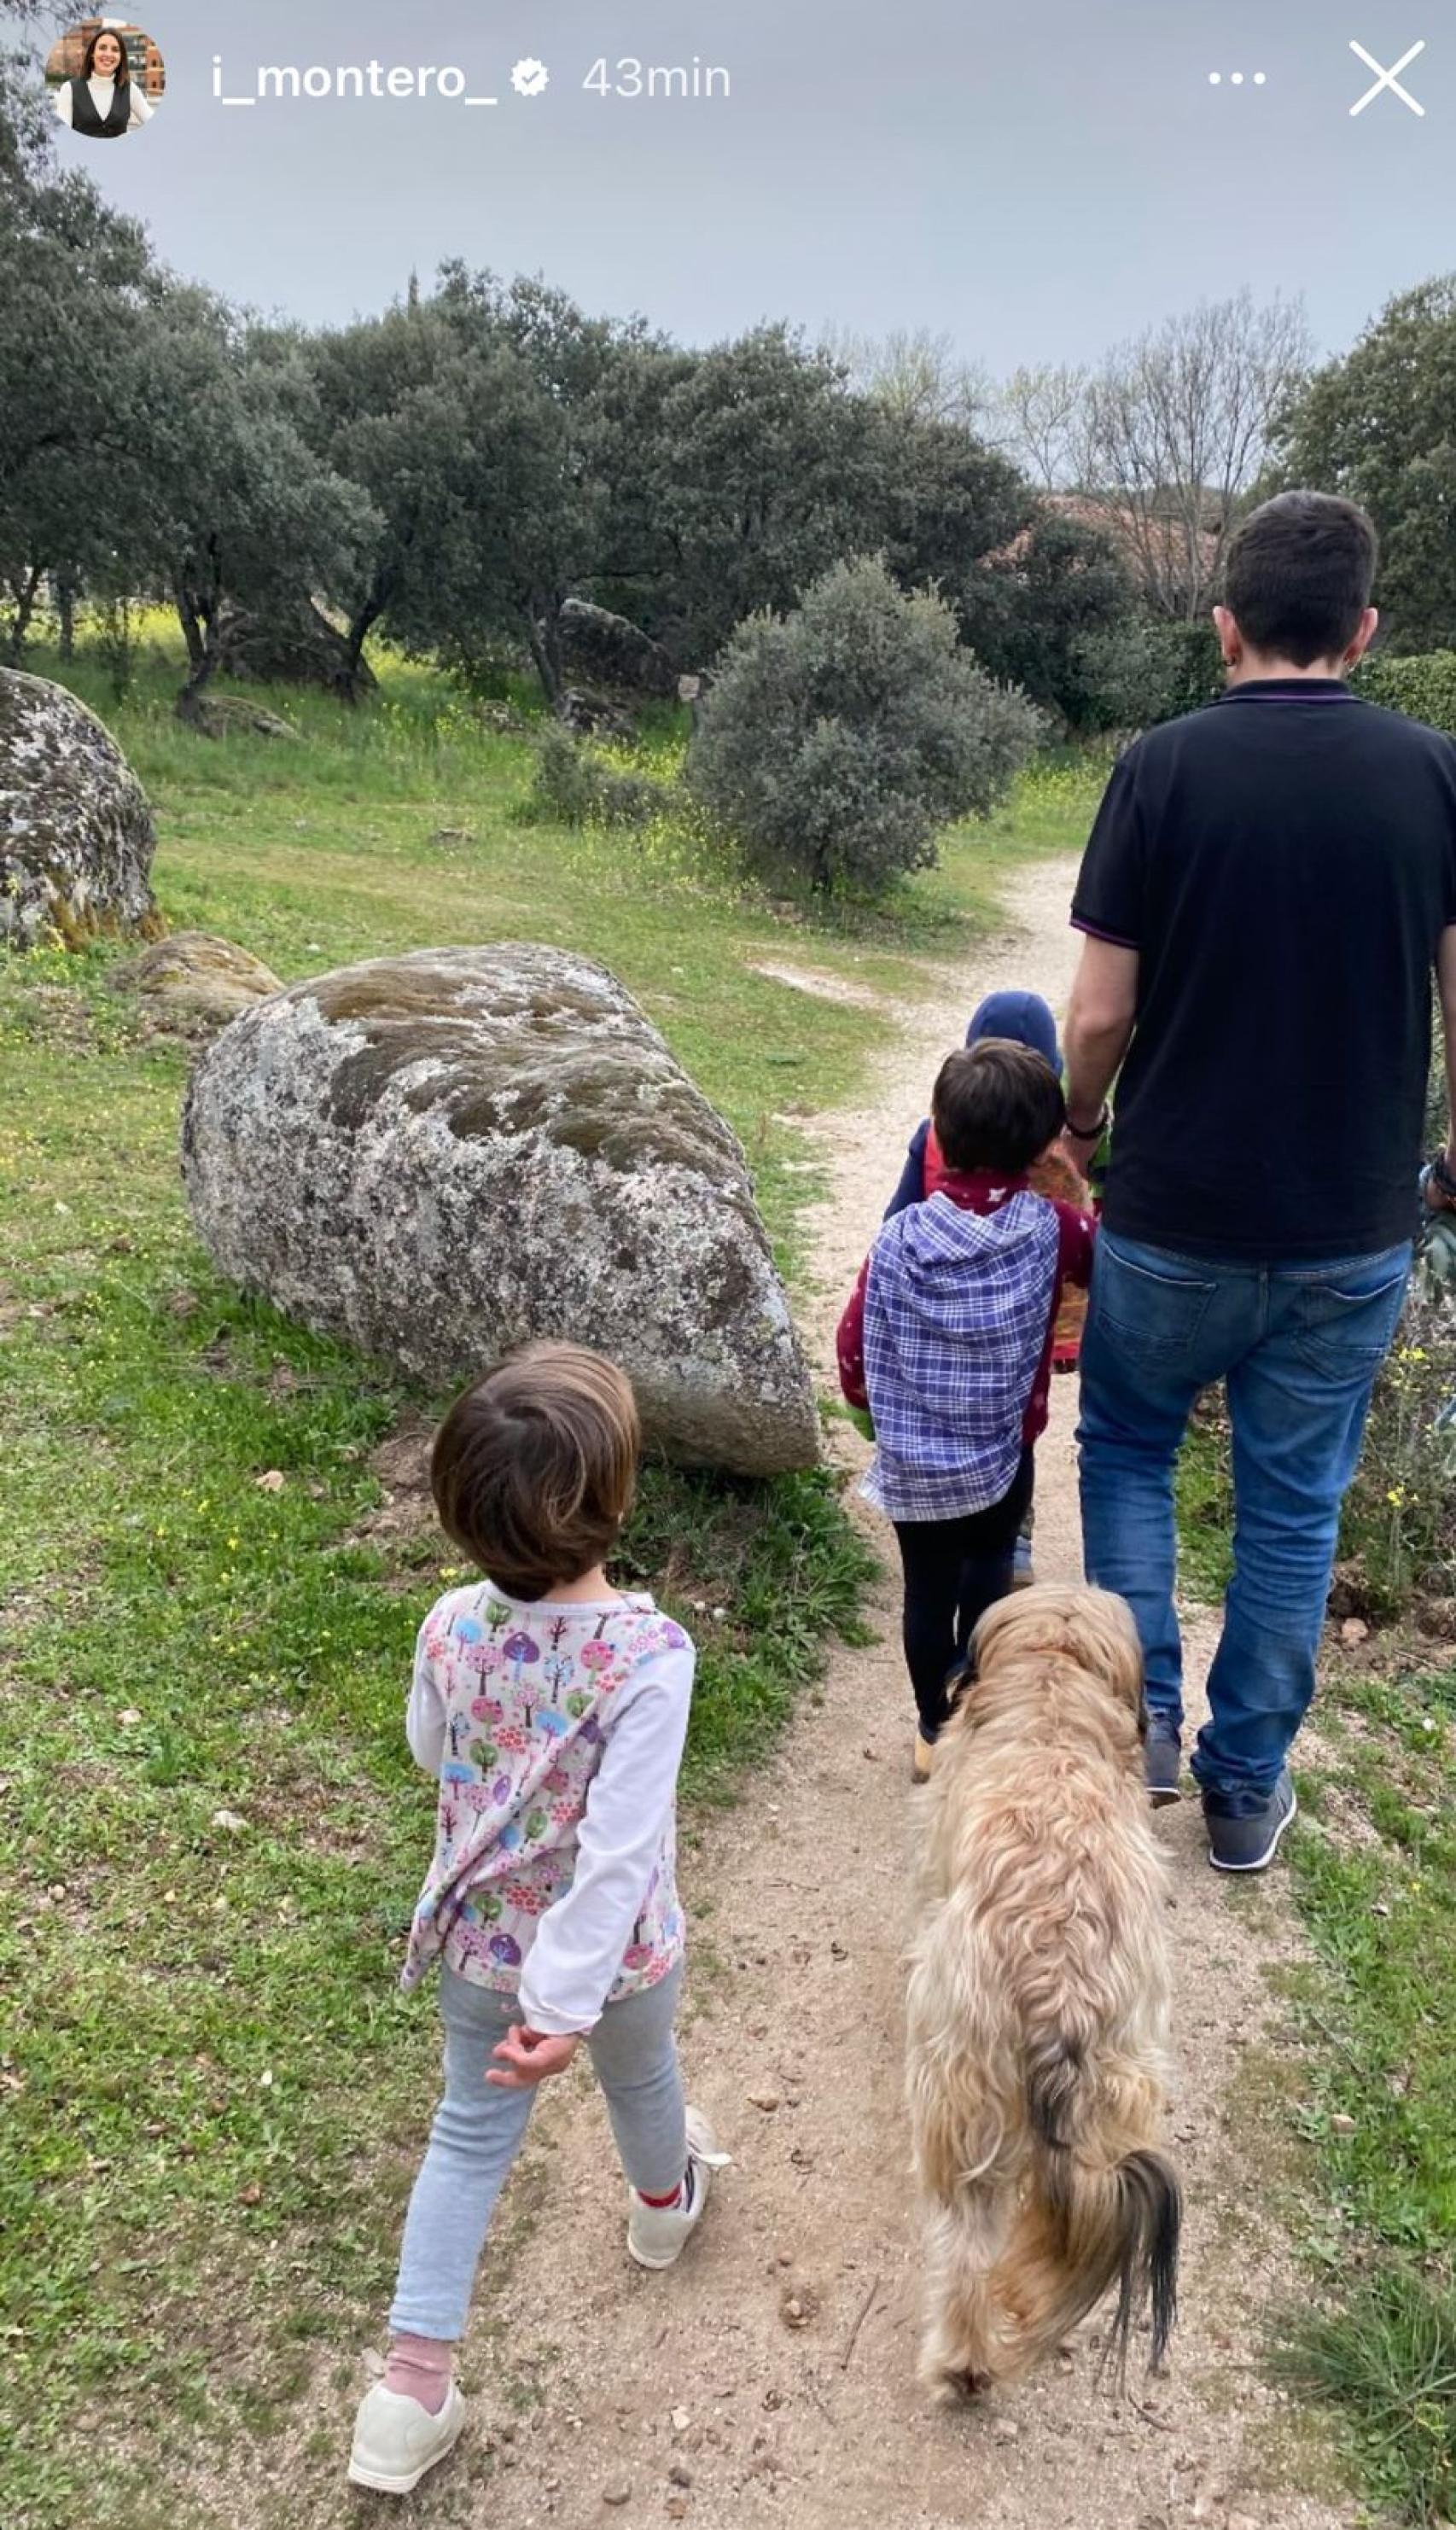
x=197, y=977
x=610, y=651
x=438, y=1156
x=294, y=645
x=231, y=715
x=76, y=829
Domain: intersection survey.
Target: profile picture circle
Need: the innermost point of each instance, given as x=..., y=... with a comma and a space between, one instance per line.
x=107, y=78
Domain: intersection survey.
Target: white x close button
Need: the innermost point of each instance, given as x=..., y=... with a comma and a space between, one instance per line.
x=1388, y=79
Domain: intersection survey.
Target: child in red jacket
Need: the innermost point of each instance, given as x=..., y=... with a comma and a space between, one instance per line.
x=949, y=1341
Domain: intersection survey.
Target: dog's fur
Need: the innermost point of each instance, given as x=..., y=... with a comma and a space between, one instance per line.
x=1038, y=2005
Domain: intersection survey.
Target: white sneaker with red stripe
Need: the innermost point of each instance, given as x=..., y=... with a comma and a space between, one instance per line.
x=657, y=2235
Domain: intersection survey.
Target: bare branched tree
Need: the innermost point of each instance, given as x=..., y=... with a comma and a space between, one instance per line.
x=1174, y=431
x=1039, y=420
x=917, y=376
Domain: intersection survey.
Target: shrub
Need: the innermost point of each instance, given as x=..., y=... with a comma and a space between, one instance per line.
x=837, y=740
x=1424, y=688
x=580, y=786
x=1145, y=671
x=1398, y=1530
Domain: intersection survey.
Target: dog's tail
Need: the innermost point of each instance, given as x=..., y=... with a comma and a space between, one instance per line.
x=1100, y=2218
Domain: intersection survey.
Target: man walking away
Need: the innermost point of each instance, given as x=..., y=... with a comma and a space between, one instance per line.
x=1268, y=887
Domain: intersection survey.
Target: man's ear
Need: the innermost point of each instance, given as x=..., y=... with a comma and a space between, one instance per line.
x=1370, y=624
x=1231, y=638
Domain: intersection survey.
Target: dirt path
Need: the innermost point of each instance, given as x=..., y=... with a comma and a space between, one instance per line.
x=770, y=2378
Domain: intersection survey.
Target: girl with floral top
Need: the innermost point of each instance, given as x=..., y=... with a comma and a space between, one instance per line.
x=553, y=1710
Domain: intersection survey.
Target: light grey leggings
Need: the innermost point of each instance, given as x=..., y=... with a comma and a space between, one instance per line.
x=479, y=2129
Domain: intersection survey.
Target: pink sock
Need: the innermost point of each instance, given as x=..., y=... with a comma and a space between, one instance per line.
x=419, y=2367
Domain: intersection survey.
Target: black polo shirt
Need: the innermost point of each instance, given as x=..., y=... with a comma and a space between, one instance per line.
x=1284, y=863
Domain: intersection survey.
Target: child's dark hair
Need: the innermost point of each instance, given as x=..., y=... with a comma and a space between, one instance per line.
x=997, y=1105
x=1299, y=577
x=534, y=1467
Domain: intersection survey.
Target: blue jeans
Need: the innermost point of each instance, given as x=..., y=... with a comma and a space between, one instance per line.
x=1299, y=1347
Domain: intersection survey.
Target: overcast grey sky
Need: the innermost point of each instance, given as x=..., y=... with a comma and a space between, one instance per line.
x=1038, y=178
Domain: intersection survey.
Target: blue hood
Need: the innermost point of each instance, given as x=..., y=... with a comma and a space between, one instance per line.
x=1024, y=1017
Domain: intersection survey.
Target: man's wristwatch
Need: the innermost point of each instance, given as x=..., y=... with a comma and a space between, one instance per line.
x=1094, y=1132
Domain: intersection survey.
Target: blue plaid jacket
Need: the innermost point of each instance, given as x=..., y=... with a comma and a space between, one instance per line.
x=957, y=1305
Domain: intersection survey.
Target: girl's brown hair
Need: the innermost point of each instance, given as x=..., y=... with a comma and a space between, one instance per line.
x=124, y=66
x=534, y=1467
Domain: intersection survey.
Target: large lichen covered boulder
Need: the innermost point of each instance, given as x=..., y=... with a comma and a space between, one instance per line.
x=76, y=829
x=438, y=1156
x=197, y=977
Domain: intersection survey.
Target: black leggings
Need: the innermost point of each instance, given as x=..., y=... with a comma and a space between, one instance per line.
x=954, y=1570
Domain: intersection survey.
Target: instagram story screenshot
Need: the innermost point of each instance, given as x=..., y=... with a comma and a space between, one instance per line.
x=728, y=1265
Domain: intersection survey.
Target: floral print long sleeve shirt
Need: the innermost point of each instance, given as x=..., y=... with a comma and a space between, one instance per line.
x=556, y=1731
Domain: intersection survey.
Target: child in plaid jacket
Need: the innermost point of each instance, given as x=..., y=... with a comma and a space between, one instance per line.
x=949, y=1341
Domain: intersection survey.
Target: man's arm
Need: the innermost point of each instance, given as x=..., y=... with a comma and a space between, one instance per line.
x=1099, y=1024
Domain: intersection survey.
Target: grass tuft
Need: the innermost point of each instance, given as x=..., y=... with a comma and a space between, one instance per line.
x=1388, y=2361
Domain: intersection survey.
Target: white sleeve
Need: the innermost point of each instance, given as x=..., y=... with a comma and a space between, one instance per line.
x=579, y=1944
x=142, y=108
x=63, y=101
x=425, y=1715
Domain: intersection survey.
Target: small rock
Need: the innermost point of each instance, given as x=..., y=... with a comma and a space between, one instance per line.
x=1341, y=2125
x=619, y=2491
x=679, y=2475
x=374, y=2365
x=1007, y=2430
x=768, y=2101
x=1354, y=1630
x=681, y=2420
x=676, y=2507
x=230, y=1820
x=271, y=1483
x=872, y=1755
x=129, y=1717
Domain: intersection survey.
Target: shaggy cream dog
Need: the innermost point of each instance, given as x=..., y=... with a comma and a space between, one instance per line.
x=1038, y=2006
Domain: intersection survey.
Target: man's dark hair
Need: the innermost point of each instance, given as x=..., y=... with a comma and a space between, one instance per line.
x=995, y=1106
x=534, y=1467
x=1299, y=577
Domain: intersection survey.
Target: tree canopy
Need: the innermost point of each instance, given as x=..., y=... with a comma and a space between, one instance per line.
x=1379, y=425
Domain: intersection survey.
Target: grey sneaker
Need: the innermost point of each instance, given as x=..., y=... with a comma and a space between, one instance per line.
x=1251, y=1844
x=1162, y=1762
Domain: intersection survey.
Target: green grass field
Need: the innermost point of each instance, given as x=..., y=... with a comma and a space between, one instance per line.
x=213, y=1835
x=1374, y=1875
